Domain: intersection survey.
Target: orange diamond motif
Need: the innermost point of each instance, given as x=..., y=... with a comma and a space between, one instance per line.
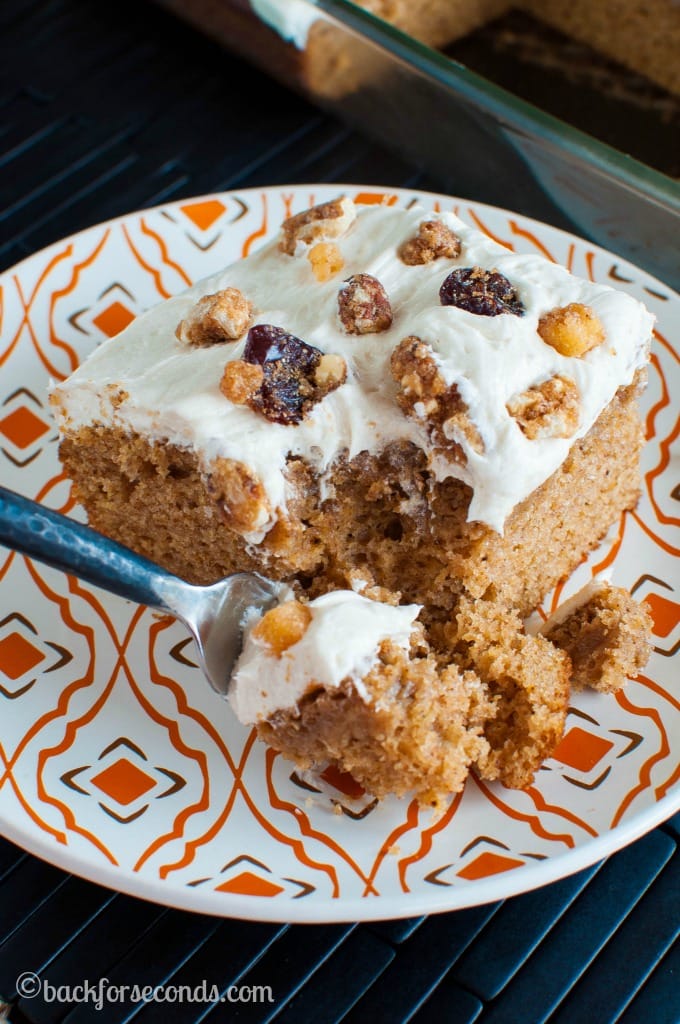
x=248, y=884
x=18, y=656
x=581, y=750
x=375, y=199
x=113, y=319
x=488, y=864
x=665, y=613
x=123, y=781
x=22, y=427
x=204, y=214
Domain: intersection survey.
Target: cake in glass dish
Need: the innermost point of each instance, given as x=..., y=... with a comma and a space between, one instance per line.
x=294, y=40
x=388, y=404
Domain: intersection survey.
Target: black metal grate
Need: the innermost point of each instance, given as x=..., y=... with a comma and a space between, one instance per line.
x=599, y=946
x=109, y=107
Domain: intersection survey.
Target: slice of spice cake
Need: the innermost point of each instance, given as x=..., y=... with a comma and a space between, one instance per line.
x=385, y=396
x=388, y=391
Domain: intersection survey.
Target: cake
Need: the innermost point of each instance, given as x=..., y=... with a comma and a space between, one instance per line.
x=379, y=702
x=293, y=39
x=604, y=631
x=359, y=683
x=383, y=403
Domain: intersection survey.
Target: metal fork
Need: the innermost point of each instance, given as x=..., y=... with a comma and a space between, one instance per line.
x=214, y=615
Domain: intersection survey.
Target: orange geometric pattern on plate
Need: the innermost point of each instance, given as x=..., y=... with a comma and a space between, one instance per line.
x=123, y=781
x=531, y=237
x=248, y=884
x=342, y=781
x=536, y=809
x=18, y=656
x=488, y=864
x=22, y=427
x=114, y=319
x=581, y=749
x=375, y=199
x=665, y=613
x=204, y=214
x=478, y=222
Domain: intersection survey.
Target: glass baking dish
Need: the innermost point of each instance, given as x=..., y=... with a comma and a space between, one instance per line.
x=478, y=140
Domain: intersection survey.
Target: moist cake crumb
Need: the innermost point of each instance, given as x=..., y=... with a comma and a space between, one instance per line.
x=606, y=638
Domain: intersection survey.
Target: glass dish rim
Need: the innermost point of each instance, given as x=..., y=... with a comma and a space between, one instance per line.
x=504, y=106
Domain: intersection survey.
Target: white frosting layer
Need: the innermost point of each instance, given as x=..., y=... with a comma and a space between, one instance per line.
x=174, y=390
x=291, y=19
x=341, y=643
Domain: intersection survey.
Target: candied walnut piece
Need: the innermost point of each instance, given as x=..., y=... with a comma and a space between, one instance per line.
x=484, y=292
x=331, y=372
x=416, y=373
x=283, y=626
x=320, y=223
x=326, y=260
x=550, y=409
x=571, y=330
x=434, y=241
x=117, y=395
x=241, y=381
x=239, y=495
x=280, y=376
x=363, y=305
x=423, y=394
x=223, y=316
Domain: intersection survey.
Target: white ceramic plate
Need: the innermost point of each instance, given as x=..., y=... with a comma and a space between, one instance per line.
x=116, y=760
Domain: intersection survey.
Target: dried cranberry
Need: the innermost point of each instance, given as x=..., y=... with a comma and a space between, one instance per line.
x=287, y=392
x=484, y=292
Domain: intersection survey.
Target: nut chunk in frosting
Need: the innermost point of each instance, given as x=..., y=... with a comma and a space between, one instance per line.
x=224, y=316
x=319, y=224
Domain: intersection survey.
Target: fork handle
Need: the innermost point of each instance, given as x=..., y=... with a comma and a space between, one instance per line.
x=62, y=543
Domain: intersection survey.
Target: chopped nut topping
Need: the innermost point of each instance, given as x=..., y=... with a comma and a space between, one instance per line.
x=224, y=316
x=117, y=395
x=434, y=241
x=281, y=377
x=283, y=626
x=550, y=409
x=326, y=260
x=416, y=372
x=423, y=394
x=363, y=305
x=327, y=220
x=331, y=372
x=240, y=495
x=483, y=292
x=571, y=330
x=241, y=381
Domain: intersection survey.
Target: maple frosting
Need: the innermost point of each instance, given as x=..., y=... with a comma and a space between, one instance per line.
x=340, y=643
x=172, y=389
